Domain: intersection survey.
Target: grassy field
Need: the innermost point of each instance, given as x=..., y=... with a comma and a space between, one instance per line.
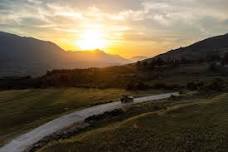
x=188, y=73
x=199, y=125
x=21, y=110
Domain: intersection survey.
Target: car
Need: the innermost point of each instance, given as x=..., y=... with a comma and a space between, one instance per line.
x=127, y=99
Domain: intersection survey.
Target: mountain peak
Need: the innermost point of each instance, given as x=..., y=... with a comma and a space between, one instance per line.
x=30, y=56
x=99, y=51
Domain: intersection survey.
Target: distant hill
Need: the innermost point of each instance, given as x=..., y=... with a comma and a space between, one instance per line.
x=137, y=58
x=97, y=57
x=202, y=65
x=30, y=56
x=214, y=46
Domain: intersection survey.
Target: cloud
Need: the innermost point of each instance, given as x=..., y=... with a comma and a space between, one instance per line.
x=169, y=21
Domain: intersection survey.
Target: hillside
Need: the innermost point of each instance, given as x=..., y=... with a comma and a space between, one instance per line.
x=177, y=67
x=30, y=56
x=138, y=58
x=196, y=124
x=202, y=65
x=202, y=50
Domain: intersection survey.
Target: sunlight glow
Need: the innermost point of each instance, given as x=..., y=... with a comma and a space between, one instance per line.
x=92, y=39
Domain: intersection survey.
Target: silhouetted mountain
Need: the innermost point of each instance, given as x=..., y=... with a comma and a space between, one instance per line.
x=30, y=56
x=96, y=56
x=202, y=50
x=137, y=58
x=167, y=73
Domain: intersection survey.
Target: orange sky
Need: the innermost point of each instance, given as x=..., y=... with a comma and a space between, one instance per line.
x=128, y=28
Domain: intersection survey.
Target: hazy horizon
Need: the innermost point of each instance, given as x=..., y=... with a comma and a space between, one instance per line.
x=127, y=28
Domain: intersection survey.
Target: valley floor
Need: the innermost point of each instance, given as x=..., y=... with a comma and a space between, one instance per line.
x=22, y=110
x=197, y=124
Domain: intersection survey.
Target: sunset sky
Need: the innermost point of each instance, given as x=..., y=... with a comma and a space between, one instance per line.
x=125, y=27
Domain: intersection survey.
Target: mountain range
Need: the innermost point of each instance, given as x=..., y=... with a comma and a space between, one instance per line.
x=29, y=56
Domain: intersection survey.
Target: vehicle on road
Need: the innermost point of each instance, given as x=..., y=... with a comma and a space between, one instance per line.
x=127, y=99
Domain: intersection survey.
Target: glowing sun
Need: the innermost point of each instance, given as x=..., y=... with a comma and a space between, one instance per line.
x=91, y=39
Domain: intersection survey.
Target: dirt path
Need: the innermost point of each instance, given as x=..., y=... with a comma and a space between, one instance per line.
x=24, y=141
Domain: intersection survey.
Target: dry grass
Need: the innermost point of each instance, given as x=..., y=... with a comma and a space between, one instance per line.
x=200, y=126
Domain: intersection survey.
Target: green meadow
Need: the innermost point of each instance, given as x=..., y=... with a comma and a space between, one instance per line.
x=194, y=124
x=22, y=110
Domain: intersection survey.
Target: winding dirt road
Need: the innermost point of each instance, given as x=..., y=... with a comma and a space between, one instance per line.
x=24, y=141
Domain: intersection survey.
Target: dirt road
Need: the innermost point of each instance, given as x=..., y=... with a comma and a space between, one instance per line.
x=24, y=141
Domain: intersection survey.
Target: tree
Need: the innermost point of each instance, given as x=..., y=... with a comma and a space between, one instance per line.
x=145, y=64
x=159, y=61
x=184, y=61
x=213, y=57
x=139, y=65
x=225, y=59
x=213, y=67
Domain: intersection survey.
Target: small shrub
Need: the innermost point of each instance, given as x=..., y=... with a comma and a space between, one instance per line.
x=195, y=85
x=216, y=85
x=166, y=86
x=137, y=86
x=104, y=116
